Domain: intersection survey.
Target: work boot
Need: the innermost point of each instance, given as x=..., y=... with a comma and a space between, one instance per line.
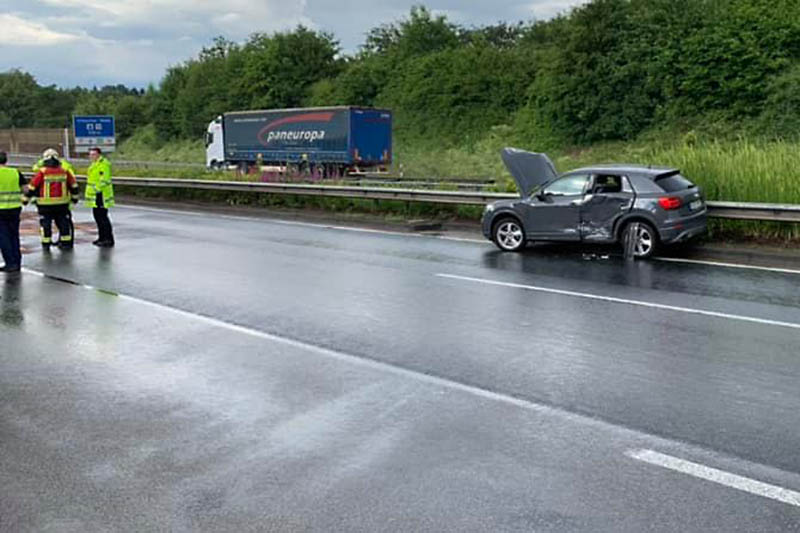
x=65, y=245
x=7, y=268
x=104, y=244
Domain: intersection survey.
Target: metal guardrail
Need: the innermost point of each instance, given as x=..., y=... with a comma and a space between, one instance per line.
x=363, y=178
x=30, y=159
x=726, y=210
x=336, y=191
x=754, y=211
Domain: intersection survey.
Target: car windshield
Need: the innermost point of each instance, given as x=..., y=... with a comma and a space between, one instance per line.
x=567, y=185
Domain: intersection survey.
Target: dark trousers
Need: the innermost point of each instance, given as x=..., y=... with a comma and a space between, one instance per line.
x=104, y=231
x=61, y=215
x=9, y=237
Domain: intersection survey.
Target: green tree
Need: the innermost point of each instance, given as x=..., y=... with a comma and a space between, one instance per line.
x=460, y=92
x=278, y=70
x=781, y=113
x=18, y=103
x=419, y=34
x=163, y=107
x=128, y=106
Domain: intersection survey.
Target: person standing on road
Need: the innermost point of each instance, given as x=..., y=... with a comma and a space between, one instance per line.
x=100, y=196
x=11, y=183
x=54, y=188
x=52, y=152
x=66, y=165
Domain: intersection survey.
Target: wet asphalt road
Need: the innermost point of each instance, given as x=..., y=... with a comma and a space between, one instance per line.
x=239, y=374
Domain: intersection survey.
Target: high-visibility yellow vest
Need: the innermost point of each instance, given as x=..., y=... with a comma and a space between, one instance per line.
x=10, y=195
x=98, y=179
x=45, y=194
x=66, y=165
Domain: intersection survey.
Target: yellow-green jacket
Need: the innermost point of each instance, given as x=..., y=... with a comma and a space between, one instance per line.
x=98, y=180
x=66, y=165
x=10, y=195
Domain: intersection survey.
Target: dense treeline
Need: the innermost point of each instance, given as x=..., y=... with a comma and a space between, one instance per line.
x=26, y=104
x=610, y=70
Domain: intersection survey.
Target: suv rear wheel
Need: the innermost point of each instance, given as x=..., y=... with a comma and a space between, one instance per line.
x=639, y=240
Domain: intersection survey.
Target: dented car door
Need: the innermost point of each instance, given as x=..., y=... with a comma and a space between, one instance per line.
x=555, y=212
x=610, y=196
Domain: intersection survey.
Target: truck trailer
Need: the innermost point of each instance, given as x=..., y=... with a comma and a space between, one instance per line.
x=334, y=140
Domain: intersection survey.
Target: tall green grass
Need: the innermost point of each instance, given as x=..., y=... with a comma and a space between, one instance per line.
x=743, y=170
x=739, y=170
x=145, y=145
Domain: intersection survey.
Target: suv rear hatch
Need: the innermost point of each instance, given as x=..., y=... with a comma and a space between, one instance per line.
x=678, y=188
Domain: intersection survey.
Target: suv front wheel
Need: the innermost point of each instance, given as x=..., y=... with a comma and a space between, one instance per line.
x=508, y=235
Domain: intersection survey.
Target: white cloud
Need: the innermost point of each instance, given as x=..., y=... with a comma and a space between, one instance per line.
x=208, y=15
x=97, y=42
x=227, y=18
x=18, y=31
x=545, y=9
x=128, y=41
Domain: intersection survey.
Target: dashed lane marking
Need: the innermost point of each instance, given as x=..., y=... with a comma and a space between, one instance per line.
x=624, y=301
x=720, y=477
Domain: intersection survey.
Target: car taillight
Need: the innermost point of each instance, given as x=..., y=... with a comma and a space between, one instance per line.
x=669, y=202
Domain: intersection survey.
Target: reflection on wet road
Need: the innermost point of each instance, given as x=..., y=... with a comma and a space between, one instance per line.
x=224, y=373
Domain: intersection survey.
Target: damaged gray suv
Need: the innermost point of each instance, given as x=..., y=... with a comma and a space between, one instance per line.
x=639, y=207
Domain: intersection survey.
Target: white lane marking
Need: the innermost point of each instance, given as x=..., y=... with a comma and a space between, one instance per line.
x=362, y=361
x=310, y=224
x=613, y=299
x=342, y=356
x=714, y=475
x=726, y=265
x=385, y=232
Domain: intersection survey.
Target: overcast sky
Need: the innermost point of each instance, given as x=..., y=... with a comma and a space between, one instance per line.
x=99, y=42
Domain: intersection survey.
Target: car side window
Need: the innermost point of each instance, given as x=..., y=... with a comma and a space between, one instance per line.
x=607, y=184
x=568, y=185
x=626, y=185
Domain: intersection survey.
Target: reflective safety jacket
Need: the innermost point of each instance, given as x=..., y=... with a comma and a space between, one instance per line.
x=66, y=165
x=98, y=180
x=53, y=186
x=10, y=193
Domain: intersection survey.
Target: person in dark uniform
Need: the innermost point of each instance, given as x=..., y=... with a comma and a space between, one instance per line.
x=11, y=183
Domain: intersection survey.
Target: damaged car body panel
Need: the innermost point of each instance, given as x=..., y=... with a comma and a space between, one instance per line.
x=611, y=197
x=602, y=204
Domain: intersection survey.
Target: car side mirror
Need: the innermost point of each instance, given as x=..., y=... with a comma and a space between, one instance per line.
x=541, y=196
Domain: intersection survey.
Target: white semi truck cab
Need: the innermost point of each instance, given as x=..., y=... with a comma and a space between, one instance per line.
x=215, y=144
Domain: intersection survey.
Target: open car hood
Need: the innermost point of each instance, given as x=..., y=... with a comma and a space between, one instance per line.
x=529, y=169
